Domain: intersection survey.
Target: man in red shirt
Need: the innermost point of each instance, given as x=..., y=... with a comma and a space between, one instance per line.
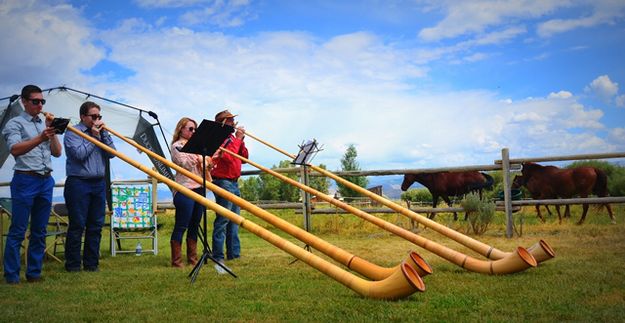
x=226, y=173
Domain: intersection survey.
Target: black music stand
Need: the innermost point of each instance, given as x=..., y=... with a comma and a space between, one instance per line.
x=307, y=151
x=208, y=137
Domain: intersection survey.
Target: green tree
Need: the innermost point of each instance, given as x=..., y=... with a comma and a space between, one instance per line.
x=288, y=192
x=269, y=187
x=250, y=188
x=273, y=189
x=421, y=195
x=320, y=183
x=349, y=163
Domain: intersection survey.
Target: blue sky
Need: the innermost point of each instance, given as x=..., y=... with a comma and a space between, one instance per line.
x=412, y=84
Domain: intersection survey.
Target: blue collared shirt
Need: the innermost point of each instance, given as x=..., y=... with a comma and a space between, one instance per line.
x=26, y=127
x=84, y=158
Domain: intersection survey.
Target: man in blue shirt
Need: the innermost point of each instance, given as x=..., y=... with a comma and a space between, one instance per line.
x=85, y=189
x=32, y=142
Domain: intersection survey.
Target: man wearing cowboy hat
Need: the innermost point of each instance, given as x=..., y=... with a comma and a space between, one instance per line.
x=225, y=174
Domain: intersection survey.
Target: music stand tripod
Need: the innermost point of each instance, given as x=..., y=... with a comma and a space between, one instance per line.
x=307, y=152
x=207, y=138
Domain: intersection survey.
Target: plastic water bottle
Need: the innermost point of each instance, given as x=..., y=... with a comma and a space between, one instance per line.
x=139, y=249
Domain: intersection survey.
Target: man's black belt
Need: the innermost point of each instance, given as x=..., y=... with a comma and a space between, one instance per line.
x=33, y=173
x=226, y=179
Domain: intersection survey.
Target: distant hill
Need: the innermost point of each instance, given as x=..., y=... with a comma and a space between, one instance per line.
x=391, y=188
x=391, y=185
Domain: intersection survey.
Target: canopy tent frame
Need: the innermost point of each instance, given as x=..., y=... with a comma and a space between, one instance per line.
x=152, y=114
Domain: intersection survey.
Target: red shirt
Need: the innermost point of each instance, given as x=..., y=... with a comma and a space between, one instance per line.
x=226, y=165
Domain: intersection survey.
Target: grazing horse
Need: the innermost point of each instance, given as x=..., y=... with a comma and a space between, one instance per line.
x=445, y=184
x=537, y=192
x=548, y=182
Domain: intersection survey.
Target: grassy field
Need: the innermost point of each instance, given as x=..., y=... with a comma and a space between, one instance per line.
x=585, y=282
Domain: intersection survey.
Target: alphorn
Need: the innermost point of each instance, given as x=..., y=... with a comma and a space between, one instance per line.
x=401, y=284
x=541, y=250
x=512, y=263
x=355, y=263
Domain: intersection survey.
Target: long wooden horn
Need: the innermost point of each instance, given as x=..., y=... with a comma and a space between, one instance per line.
x=512, y=263
x=401, y=284
x=541, y=251
x=359, y=265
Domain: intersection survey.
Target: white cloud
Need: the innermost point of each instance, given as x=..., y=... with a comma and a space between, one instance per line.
x=287, y=87
x=51, y=44
x=498, y=37
x=617, y=136
x=620, y=101
x=603, y=88
x=476, y=57
x=423, y=56
x=560, y=95
x=476, y=17
x=604, y=12
x=169, y=3
x=527, y=116
x=470, y=17
x=220, y=13
x=351, y=88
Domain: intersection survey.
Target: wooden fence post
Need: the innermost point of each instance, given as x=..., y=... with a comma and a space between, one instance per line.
x=154, y=192
x=505, y=167
x=306, y=207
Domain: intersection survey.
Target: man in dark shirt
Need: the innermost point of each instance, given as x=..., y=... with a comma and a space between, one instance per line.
x=85, y=189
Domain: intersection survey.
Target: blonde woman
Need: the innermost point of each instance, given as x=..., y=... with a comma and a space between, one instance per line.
x=188, y=212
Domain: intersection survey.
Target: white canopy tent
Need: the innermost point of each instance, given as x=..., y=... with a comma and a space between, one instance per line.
x=64, y=102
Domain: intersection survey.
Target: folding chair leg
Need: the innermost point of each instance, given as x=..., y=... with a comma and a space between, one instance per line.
x=47, y=253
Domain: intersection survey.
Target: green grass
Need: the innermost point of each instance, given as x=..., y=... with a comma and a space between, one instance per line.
x=585, y=282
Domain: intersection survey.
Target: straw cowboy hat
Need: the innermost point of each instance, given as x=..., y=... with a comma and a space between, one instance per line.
x=225, y=114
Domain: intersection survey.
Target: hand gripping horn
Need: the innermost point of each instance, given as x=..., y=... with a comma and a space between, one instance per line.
x=514, y=262
x=352, y=262
x=401, y=284
x=541, y=251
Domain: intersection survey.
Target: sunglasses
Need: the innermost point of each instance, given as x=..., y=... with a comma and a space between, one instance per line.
x=94, y=117
x=37, y=101
x=192, y=129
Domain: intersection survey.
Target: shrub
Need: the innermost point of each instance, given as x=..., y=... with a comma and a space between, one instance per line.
x=480, y=212
x=422, y=195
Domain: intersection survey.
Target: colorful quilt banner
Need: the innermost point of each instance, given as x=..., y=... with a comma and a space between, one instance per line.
x=132, y=207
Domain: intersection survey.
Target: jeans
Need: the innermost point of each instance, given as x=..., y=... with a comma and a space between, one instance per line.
x=188, y=216
x=31, y=197
x=224, y=229
x=86, y=202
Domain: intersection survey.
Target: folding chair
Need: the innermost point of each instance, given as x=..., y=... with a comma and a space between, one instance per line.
x=5, y=211
x=57, y=228
x=132, y=216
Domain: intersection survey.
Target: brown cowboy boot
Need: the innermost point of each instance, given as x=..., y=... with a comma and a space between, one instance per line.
x=176, y=254
x=192, y=252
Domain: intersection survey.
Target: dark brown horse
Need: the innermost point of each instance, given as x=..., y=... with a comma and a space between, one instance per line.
x=548, y=182
x=446, y=184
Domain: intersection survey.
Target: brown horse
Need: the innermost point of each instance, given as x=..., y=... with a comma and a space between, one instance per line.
x=446, y=184
x=537, y=192
x=549, y=182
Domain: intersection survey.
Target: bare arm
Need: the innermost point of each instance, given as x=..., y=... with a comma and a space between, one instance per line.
x=55, y=146
x=25, y=146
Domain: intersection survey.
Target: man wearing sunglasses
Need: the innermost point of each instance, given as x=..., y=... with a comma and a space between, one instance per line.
x=226, y=173
x=32, y=141
x=85, y=189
